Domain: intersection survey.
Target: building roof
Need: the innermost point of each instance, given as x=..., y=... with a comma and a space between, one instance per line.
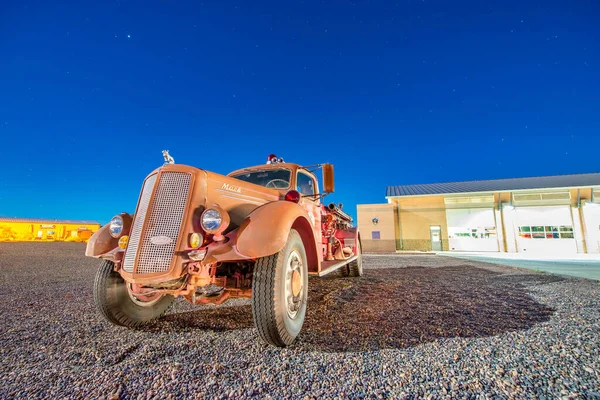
x=497, y=185
x=47, y=221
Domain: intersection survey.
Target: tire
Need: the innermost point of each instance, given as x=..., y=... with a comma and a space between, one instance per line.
x=279, y=296
x=341, y=272
x=355, y=267
x=116, y=305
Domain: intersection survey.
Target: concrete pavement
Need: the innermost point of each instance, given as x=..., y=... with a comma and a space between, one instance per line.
x=579, y=265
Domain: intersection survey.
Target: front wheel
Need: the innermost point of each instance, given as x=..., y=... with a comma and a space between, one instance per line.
x=125, y=304
x=280, y=293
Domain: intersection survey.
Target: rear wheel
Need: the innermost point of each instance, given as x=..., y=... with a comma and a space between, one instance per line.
x=355, y=267
x=341, y=272
x=123, y=303
x=280, y=292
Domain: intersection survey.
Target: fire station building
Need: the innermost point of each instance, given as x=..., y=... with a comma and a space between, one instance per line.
x=544, y=215
x=23, y=229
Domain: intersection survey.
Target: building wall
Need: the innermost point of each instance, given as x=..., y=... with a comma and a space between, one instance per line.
x=386, y=227
x=50, y=231
x=408, y=220
x=416, y=215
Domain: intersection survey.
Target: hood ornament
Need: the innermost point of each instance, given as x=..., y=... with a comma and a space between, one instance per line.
x=167, y=157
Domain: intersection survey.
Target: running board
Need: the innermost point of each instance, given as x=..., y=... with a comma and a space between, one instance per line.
x=335, y=266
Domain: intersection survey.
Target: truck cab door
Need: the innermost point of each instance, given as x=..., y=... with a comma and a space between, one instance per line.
x=307, y=186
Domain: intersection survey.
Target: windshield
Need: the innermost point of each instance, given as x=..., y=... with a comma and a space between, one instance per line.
x=271, y=178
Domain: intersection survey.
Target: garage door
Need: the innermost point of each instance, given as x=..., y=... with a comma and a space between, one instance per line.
x=472, y=229
x=545, y=230
x=591, y=216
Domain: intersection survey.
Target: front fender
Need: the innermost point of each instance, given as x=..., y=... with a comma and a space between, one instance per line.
x=102, y=241
x=266, y=229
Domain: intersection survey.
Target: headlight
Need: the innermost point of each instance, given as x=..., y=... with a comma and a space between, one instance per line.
x=211, y=220
x=215, y=220
x=116, y=226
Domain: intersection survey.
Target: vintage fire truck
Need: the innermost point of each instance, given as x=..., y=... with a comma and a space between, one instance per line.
x=258, y=232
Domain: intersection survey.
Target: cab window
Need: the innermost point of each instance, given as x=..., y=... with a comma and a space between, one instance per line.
x=271, y=178
x=305, y=184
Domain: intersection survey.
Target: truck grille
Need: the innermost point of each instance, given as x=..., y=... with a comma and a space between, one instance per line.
x=138, y=223
x=161, y=218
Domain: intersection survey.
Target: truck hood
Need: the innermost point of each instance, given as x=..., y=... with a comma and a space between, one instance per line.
x=237, y=197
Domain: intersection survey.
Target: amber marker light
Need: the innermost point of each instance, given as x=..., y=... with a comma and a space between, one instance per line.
x=195, y=240
x=123, y=241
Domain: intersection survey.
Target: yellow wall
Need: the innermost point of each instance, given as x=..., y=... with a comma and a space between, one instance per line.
x=386, y=226
x=46, y=231
x=403, y=224
x=416, y=215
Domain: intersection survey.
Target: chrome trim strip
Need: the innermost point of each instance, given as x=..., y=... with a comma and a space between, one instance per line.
x=138, y=223
x=244, y=200
x=335, y=266
x=242, y=195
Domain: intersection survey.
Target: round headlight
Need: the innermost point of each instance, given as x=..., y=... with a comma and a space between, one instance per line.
x=116, y=226
x=211, y=220
x=215, y=221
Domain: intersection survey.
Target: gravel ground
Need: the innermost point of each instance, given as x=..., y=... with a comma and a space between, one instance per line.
x=412, y=327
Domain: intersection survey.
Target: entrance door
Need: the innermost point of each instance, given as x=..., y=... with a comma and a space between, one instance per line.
x=308, y=187
x=435, y=233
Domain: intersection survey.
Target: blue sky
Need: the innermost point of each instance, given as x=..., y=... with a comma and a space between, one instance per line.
x=390, y=92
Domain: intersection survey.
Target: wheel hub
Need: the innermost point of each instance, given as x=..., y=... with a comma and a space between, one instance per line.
x=141, y=296
x=294, y=284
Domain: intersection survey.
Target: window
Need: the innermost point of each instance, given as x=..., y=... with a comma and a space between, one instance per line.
x=271, y=178
x=469, y=200
x=546, y=232
x=473, y=233
x=305, y=184
x=566, y=232
x=537, y=232
x=539, y=197
x=375, y=235
x=474, y=223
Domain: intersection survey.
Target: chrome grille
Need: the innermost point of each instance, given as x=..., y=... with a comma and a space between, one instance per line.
x=138, y=223
x=164, y=221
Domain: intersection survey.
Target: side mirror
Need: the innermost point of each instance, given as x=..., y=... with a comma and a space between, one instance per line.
x=328, y=185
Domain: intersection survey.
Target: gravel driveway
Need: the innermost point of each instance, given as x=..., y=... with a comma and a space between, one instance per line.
x=413, y=326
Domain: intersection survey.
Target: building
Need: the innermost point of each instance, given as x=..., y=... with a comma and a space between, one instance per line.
x=22, y=229
x=548, y=215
